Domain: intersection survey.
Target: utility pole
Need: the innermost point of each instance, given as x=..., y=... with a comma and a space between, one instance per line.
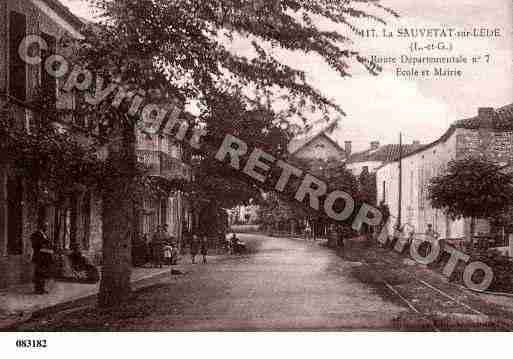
x=399, y=208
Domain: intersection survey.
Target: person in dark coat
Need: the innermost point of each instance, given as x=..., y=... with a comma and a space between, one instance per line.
x=204, y=248
x=42, y=258
x=195, y=244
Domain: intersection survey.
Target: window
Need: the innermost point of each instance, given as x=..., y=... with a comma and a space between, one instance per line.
x=48, y=83
x=163, y=211
x=384, y=192
x=17, y=67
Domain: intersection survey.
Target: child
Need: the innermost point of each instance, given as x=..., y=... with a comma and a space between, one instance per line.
x=168, y=254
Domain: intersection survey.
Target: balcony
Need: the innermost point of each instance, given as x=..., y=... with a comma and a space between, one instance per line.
x=162, y=165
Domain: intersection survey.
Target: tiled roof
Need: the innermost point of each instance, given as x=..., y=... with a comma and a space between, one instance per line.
x=298, y=143
x=384, y=153
x=502, y=120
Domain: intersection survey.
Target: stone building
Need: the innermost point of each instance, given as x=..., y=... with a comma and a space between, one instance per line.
x=80, y=220
x=490, y=133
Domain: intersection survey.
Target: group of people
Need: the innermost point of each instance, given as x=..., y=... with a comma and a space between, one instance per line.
x=162, y=248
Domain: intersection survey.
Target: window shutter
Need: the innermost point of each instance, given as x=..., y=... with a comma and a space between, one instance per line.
x=17, y=67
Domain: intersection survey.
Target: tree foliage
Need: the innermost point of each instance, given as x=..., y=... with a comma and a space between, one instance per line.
x=182, y=46
x=472, y=188
x=179, y=51
x=284, y=208
x=367, y=187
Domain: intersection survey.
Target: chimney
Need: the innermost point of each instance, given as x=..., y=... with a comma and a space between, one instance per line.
x=348, y=148
x=374, y=145
x=416, y=142
x=486, y=116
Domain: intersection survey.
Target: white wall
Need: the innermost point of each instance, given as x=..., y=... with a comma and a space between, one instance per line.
x=417, y=170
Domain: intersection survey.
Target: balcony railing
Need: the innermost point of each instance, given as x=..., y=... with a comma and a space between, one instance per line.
x=162, y=165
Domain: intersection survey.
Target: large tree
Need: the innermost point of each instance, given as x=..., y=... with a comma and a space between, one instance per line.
x=182, y=48
x=472, y=188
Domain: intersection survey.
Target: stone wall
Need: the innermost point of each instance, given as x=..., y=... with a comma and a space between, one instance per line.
x=496, y=146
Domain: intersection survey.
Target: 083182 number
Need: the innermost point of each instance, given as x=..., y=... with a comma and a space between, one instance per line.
x=31, y=343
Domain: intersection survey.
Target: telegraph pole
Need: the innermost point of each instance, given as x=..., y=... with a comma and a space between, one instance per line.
x=399, y=208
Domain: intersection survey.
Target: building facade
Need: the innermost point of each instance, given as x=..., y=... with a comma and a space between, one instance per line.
x=489, y=134
x=169, y=164
x=78, y=222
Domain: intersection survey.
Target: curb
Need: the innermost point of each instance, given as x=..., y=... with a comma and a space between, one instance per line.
x=10, y=321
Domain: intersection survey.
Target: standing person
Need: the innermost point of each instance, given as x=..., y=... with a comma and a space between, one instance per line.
x=42, y=258
x=194, y=247
x=234, y=241
x=186, y=240
x=308, y=231
x=204, y=248
x=433, y=236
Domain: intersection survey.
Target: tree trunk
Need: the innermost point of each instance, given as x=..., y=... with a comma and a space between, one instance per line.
x=118, y=219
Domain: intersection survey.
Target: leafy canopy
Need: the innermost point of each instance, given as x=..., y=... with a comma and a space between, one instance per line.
x=473, y=188
x=183, y=46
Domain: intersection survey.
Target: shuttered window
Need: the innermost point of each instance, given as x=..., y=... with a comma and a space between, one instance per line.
x=17, y=67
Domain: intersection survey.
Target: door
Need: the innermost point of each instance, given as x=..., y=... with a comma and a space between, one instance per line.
x=14, y=215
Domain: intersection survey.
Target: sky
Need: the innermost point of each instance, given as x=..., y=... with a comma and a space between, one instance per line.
x=379, y=107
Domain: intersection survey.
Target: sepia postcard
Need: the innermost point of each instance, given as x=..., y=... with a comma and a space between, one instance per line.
x=255, y=166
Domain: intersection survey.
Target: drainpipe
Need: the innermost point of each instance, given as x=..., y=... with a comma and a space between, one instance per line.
x=399, y=208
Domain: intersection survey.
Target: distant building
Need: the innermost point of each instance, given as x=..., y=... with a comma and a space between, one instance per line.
x=244, y=214
x=318, y=146
x=377, y=155
x=490, y=133
x=169, y=164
